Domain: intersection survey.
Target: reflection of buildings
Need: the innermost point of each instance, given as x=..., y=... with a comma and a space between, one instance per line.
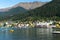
x=44, y=33
x=39, y=33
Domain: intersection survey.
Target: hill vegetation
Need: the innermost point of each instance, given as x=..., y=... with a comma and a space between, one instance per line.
x=49, y=11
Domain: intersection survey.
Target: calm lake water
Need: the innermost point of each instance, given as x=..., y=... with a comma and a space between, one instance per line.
x=29, y=34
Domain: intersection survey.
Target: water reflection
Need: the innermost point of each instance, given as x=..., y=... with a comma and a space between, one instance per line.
x=56, y=36
x=29, y=34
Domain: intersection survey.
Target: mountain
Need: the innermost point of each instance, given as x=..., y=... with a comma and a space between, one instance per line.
x=12, y=11
x=30, y=5
x=25, y=5
x=19, y=8
x=50, y=11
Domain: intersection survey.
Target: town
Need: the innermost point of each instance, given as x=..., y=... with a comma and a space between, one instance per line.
x=30, y=24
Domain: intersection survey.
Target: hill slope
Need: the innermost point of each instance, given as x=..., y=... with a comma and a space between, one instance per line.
x=19, y=8
x=50, y=10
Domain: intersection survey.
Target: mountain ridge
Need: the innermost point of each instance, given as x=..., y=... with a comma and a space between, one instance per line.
x=25, y=5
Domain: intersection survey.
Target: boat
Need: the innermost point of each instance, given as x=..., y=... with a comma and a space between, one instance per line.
x=11, y=30
x=56, y=30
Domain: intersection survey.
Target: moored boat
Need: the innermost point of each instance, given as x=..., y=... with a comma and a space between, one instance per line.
x=56, y=30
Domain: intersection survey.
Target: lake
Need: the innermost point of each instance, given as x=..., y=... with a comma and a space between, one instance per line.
x=29, y=34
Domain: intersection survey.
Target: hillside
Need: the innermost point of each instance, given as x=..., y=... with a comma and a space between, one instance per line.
x=13, y=11
x=19, y=8
x=48, y=11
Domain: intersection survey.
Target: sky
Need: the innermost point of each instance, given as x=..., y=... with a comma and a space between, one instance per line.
x=9, y=3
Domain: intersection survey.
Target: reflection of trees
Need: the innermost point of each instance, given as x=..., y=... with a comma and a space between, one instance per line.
x=33, y=34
